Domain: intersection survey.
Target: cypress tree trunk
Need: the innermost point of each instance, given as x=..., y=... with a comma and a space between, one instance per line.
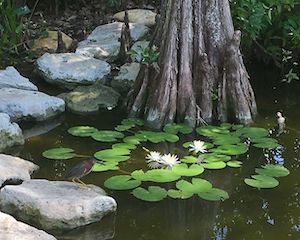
x=201, y=74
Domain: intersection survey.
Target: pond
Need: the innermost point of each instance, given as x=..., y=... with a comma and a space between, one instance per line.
x=248, y=214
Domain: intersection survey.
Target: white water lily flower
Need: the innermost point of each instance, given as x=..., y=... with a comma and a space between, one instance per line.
x=169, y=160
x=198, y=146
x=154, y=159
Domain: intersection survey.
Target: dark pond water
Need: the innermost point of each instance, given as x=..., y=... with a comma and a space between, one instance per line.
x=248, y=214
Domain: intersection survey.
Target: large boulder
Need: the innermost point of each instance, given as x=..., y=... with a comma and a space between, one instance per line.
x=29, y=105
x=70, y=70
x=91, y=98
x=124, y=81
x=14, y=170
x=11, y=78
x=10, y=133
x=11, y=229
x=103, y=43
x=143, y=16
x=56, y=205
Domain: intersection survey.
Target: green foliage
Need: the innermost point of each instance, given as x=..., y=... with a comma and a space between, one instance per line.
x=153, y=194
x=148, y=55
x=59, y=153
x=121, y=182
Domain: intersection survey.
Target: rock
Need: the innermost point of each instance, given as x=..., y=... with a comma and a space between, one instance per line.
x=103, y=43
x=10, y=133
x=70, y=70
x=14, y=170
x=124, y=81
x=29, y=105
x=49, y=43
x=143, y=16
x=137, y=49
x=11, y=78
x=11, y=229
x=91, y=98
x=56, y=205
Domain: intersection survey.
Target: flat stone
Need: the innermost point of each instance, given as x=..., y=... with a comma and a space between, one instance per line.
x=29, y=105
x=14, y=170
x=10, y=133
x=91, y=98
x=11, y=229
x=124, y=81
x=137, y=49
x=56, y=205
x=49, y=43
x=143, y=16
x=103, y=43
x=11, y=78
x=70, y=70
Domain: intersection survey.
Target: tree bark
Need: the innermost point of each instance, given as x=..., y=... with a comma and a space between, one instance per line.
x=201, y=74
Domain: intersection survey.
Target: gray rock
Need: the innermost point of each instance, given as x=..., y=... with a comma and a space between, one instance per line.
x=10, y=133
x=14, y=170
x=143, y=16
x=91, y=98
x=11, y=78
x=103, y=43
x=11, y=229
x=70, y=70
x=56, y=205
x=137, y=49
x=29, y=105
x=124, y=81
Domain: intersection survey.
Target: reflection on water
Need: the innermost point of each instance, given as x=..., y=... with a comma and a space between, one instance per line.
x=249, y=214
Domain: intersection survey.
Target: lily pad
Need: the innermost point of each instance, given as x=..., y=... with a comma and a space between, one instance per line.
x=155, y=175
x=231, y=149
x=124, y=146
x=59, y=153
x=214, y=194
x=211, y=131
x=197, y=185
x=214, y=165
x=175, y=128
x=189, y=159
x=153, y=194
x=253, y=132
x=122, y=128
x=113, y=155
x=132, y=140
x=157, y=137
x=121, y=182
x=133, y=121
x=207, y=145
x=177, y=194
x=273, y=170
x=225, y=139
x=107, y=136
x=261, y=181
x=105, y=167
x=82, y=131
x=263, y=139
x=268, y=145
x=215, y=157
x=234, y=164
x=189, y=171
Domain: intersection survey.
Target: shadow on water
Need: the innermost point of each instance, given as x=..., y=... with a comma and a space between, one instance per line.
x=247, y=215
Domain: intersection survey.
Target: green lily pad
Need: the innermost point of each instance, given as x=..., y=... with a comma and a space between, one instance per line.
x=133, y=121
x=226, y=125
x=124, y=146
x=237, y=126
x=153, y=194
x=59, y=153
x=189, y=171
x=231, y=149
x=234, y=164
x=105, y=167
x=225, y=139
x=253, y=132
x=157, y=137
x=132, y=140
x=273, y=170
x=122, y=128
x=197, y=185
x=155, y=175
x=177, y=194
x=268, y=145
x=215, y=157
x=261, y=181
x=82, y=131
x=175, y=128
x=263, y=139
x=207, y=145
x=121, y=182
x=214, y=165
x=107, y=136
x=214, y=194
x=189, y=159
x=113, y=155
x=211, y=131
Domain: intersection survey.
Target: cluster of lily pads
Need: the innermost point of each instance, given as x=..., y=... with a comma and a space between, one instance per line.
x=216, y=148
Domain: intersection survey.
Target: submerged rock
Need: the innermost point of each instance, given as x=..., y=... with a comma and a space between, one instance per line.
x=11, y=78
x=14, y=170
x=70, y=70
x=124, y=81
x=91, y=98
x=143, y=16
x=103, y=43
x=11, y=229
x=137, y=49
x=10, y=133
x=29, y=105
x=56, y=205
